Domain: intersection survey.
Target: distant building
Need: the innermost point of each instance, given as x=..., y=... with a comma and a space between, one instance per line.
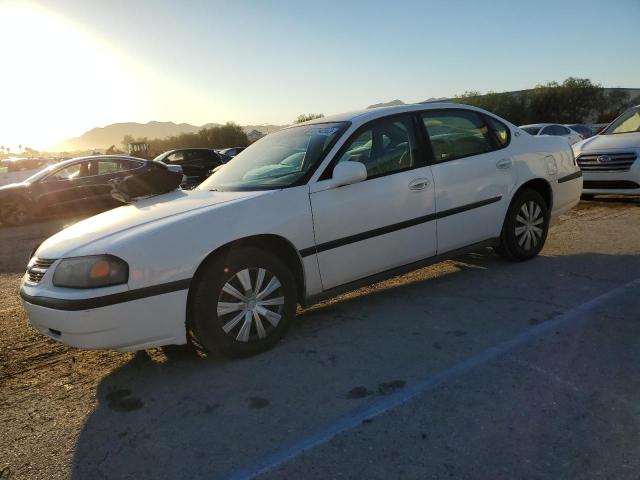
x=254, y=135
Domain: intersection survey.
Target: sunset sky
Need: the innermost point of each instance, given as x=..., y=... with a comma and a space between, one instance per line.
x=71, y=65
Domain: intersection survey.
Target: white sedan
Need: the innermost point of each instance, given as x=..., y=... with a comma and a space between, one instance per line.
x=555, y=130
x=609, y=160
x=303, y=214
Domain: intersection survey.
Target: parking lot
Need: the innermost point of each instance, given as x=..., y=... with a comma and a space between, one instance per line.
x=473, y=368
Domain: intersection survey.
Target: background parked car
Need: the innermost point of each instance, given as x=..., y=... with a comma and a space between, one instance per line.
x=609, y=160
x=228, y=153
x=196, y=163
x=69, y=187
x=585, y=130
x=553, y=129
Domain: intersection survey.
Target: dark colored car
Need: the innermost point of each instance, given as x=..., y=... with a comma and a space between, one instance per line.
x=231, y=152
x=584, y=130
x=196, y=163
x=70, y=187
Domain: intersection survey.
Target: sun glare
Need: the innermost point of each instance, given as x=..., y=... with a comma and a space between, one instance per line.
x=58, y=79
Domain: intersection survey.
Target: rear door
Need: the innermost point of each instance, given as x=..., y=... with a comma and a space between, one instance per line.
x=383, y=222
x=473, y=175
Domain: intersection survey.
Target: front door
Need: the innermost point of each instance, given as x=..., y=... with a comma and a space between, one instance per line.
x=383, y=222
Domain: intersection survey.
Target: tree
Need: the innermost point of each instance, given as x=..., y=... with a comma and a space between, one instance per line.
x=127, y=140
x=575, y=100
x=30, y=152
x=305, y=117
x=616, y=102
x=229, y=135
x=510, y=106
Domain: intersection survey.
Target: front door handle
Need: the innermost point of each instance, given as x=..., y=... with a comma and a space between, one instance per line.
x=504, y=164
x=419, y=184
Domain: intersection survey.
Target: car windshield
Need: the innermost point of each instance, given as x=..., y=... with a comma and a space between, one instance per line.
x=532, y=130
x=628, y=122
x=278, y=160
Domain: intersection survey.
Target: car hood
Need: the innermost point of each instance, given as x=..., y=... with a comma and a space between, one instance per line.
x=607, y=143
x=134, y=215
x=12, y=187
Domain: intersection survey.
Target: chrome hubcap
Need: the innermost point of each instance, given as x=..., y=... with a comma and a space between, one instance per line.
x=529, y=225
x=250, y=304
x=15, y=214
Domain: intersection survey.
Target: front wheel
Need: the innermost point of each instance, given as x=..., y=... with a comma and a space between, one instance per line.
x=15, y=212
x=243, y=302
x=525, y=227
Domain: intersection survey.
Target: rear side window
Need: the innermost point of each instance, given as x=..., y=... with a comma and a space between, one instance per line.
x=499, y=132
x=531, y=130
x=456, y=134
x=114, y=166
x=555, y=130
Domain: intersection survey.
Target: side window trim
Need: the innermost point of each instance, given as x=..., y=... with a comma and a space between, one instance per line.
x=494, y=132
x=370, y=125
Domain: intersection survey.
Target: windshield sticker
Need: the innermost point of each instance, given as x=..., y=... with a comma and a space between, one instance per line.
x=325, y=131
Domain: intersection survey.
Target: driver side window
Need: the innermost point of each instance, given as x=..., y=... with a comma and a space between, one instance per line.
x=386, y=147
x=68, y=173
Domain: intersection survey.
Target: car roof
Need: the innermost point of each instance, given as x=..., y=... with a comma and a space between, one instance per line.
x=189, y=148
x=538, y=125
x=101, y=157
x=363, y=116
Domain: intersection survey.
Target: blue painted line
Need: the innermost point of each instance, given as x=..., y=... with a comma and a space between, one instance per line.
x=356, y=417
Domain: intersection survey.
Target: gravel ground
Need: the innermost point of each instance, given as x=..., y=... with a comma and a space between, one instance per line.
x=99, y=414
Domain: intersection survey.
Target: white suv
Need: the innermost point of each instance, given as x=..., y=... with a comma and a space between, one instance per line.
x=302, y=214
x=609, y=160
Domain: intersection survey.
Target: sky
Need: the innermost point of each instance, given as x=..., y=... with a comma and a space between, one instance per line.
x=72, y=65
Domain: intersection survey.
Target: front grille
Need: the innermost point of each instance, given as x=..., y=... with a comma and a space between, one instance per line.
x=610, y=184
x=37, y=268
x=606, y=162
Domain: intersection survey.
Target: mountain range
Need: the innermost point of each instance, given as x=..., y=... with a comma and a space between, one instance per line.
x=104, y=137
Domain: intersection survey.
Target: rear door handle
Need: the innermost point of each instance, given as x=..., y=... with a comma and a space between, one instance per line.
x=419, y=184
x=504, y=164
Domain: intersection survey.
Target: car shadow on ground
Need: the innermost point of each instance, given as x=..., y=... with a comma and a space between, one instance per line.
x=168, y=414
x=612, y=200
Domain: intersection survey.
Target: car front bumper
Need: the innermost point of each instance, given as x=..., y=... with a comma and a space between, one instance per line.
x=613, y=182
x=128, y=326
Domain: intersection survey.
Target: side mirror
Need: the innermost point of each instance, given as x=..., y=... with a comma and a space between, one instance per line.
x=347, y=173
x=174, y=168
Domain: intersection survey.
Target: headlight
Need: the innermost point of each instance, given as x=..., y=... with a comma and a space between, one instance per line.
x=91, y=272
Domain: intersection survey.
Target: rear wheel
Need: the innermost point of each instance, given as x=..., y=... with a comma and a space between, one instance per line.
x=525, y=227
x=15, y=212
x=243, y=302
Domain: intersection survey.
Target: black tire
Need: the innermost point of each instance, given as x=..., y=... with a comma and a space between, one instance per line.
x=227, y=269
x=587, y=196
x=514, y=246
x=15, y=211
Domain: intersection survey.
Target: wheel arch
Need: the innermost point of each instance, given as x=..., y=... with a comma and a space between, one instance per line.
x=276, y=244
x=540, y=185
